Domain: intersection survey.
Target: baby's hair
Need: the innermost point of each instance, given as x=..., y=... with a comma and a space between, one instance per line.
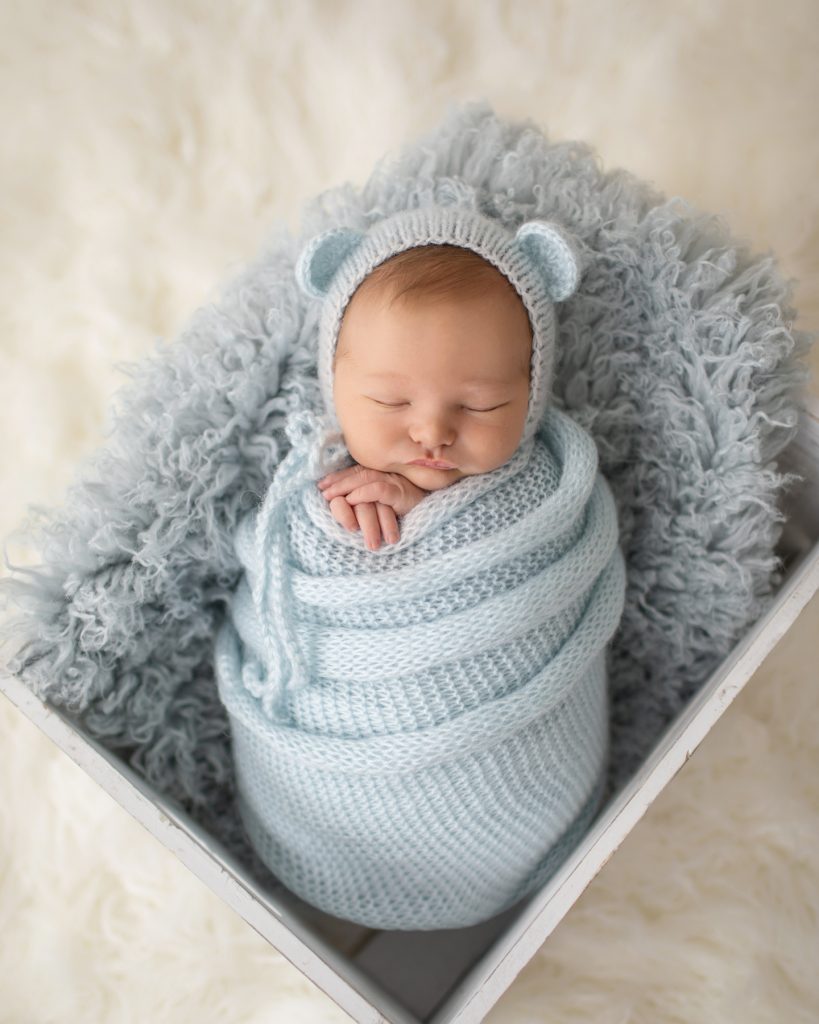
x=433, y=272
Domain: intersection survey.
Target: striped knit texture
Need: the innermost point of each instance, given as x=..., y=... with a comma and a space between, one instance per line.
x=421, y=732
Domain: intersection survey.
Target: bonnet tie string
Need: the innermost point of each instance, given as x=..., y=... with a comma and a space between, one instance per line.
x=316, y=449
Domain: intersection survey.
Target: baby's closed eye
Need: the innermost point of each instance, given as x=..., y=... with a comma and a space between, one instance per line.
x=465, y=408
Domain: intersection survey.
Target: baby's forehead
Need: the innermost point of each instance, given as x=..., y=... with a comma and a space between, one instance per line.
x=489, y=361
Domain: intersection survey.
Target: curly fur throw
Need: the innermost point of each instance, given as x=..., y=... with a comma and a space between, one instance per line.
x=676, y=354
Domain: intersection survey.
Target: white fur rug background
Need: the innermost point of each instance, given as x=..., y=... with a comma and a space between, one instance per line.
x=147, y=148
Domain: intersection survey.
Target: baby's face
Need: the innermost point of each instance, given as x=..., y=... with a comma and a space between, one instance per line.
x=443, y=380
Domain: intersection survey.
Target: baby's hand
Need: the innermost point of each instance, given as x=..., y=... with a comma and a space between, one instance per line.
x=371, y=500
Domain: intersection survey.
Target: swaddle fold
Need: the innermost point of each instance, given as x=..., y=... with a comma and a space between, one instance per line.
x=420, y=733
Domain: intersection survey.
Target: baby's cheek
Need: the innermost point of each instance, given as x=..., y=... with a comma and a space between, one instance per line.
x=369, y=451
x=495, y=444
x=386, y=441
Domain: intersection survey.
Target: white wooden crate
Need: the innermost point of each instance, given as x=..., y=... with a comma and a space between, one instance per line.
x=456, y=976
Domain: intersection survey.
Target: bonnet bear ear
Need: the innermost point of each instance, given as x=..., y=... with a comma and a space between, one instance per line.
x=321, y=258
x=554, y=254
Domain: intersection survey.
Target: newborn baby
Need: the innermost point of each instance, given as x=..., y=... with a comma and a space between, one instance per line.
x=431, y=383
x=420, y=728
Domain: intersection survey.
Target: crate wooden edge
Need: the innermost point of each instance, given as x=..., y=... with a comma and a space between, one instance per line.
x=492, y=975
x=335, y=975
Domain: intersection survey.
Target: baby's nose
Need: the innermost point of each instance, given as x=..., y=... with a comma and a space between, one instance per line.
x=433, y=430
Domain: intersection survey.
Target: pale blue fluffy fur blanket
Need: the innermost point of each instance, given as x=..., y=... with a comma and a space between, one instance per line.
x=676, y=354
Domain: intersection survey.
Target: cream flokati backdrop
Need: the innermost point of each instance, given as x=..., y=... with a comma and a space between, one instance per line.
x=147, y=148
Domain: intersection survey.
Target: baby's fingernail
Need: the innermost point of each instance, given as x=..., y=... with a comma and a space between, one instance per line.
x=392, y=538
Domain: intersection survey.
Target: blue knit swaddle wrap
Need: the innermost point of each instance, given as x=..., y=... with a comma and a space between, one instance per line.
x=420, y=733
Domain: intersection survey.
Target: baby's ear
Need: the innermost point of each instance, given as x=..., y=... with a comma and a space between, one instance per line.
x=554, y=254
x=321, y=258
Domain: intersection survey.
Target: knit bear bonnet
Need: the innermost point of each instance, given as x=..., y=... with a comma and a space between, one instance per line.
x=539, y=260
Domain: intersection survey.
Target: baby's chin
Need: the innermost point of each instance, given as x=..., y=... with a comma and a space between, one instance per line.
x=429, y=479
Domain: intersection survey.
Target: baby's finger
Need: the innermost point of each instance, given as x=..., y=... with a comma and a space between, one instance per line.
x=328, y=482
x=370, y=528
x=343, y=513
x=347, y=480
x=388, y=522
x=331, y=478
x=379, y=490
